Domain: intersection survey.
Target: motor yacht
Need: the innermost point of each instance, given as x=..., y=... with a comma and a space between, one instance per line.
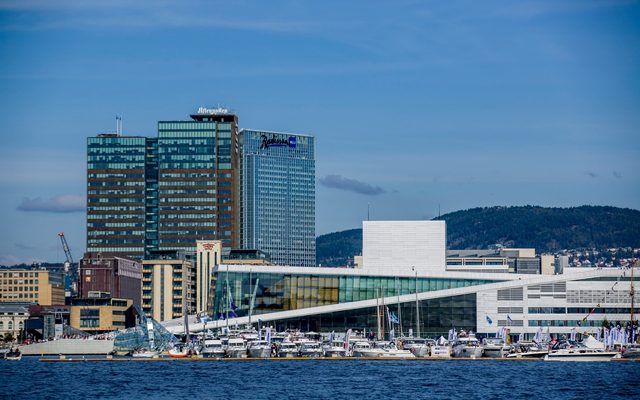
x=212, y=348
x=391, y=350
x=572, y=351
x=631, y=350
x=417, y=346
x=495, y=348
x=309, y=348
x=336, y=348
x=439, y=348
x=259, y=349
x=364, y=349
x=467, y=347
x=236, y=348
x=527, y=350
x=287, y=349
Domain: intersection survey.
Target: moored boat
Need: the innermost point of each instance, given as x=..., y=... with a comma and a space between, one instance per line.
x=335, y=348
x=259, y=349
x=13, y=355
x=287, y=349
x=495, y=348
x=310, y=348
x=467, y=346
x=571, y=351
x=236, y=348
x=364, y=349
x=212, y=348
x=179, y=351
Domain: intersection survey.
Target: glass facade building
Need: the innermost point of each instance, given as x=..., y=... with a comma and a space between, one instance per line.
x=278, y=196
x=116, y=195
x=283, y=292
x=164, y=193
x=198, y=182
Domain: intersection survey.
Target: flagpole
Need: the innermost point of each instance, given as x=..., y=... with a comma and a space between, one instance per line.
x=399, y=311
x=378, y=313
x=228, y=298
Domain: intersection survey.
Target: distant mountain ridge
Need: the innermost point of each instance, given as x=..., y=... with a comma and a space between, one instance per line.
x=546, y=229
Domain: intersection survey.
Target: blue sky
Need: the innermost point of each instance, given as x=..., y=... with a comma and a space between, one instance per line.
x=414, y=104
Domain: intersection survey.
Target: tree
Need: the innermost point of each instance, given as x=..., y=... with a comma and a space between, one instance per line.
x=8, y=337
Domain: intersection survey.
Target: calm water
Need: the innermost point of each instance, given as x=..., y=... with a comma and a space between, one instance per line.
x=31, y=379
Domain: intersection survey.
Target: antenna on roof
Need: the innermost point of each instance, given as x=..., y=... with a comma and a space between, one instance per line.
x=118, y=125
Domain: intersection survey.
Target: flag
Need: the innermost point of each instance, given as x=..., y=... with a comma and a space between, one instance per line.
x=393, y=318
x=346, y=339
x=573, y=334
x=489, y=320
x=268, y=335
x=509, y=318
x=538, y=337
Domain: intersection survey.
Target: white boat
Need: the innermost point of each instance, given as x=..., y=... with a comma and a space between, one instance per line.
x=287, y=349
x=631, y=350
x=310, y=348
x=212, y=348
x=236, y=348
x=13, y=355
x=390, y=350
x=259, y=349
x=467, y=347
x=527, y=350
x=439, y=348
x=417, y=346
x=568, y=351
x=495, y=348
x=364, y=349
x=144, y=353
x=335, y=348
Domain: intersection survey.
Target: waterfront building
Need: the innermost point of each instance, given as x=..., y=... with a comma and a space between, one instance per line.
x=120, y=277
x=164, y=193
x=32, y=285
x=168, y=285
x=101, y=313
x=12, y=319
x=116, y=195
x=247, y=257
x=337, y=299
x=278, y=196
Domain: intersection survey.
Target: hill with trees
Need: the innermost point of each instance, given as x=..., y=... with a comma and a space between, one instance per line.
x=547, y=229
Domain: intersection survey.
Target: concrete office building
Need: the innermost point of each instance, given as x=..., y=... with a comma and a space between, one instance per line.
x=32, y=285
x=278, y=196
x=208, y=257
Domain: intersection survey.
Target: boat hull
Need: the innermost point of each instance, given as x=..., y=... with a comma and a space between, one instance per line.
x=529, y=354
x=260, y=353
x=237, y=353
x=335, y=353
x=467, y=352
x=605, y=356
x=212, y=353
x=495, y=352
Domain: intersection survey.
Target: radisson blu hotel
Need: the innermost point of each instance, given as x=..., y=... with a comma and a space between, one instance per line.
x=406, y=269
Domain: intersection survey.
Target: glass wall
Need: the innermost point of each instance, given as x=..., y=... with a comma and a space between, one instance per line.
x=282, y=292
x=437, y=316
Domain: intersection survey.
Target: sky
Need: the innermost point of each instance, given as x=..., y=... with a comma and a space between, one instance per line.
x=416, y=106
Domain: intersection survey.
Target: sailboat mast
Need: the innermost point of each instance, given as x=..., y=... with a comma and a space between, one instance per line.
x=378, y=313
x=399, y=312
x=383, y=313
x=631, y=293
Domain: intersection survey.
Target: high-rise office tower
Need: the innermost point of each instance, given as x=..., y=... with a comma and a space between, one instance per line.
x=116, y=195
x=278, y=196
x=164, y=193
x=198, y=180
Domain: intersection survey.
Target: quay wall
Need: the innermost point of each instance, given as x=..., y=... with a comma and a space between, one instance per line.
x=68, y=347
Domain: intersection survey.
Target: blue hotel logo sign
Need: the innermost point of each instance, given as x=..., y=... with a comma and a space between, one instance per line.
x=277, y=141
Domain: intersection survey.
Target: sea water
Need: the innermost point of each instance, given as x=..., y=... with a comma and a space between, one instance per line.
x=318, y=379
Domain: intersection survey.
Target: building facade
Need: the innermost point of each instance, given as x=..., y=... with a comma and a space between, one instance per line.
x=278, y=196
x=164, y=193
x=120, y=277
x=101, y=314
x=208, y=257
x=116, y=195
x=12, y=319
x=38, y=286
x=168, y=287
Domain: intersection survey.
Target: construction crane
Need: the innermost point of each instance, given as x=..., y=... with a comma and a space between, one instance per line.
x=70, y=272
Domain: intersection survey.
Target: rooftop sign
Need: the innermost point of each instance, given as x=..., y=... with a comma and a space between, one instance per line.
x=277, y=141
x=213, y=111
